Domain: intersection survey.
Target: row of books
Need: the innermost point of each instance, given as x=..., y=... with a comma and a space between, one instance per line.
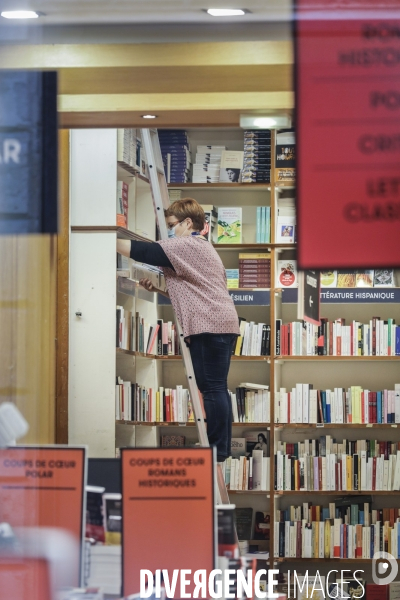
x=135, y=333
x=232, y=278
x=122, y=204
x=351, y=511
x=263, y=225
x=250, y=405
x=334, y=338
x=257, y=156
x=347, y=278
x=325, y=445
x=334, y=539
x=255, y=270
x=247, y=473
x=303, y=404
x=129, y=148
x=175, y=152
x=134, y=402
x=254, y=339
x=334, y=472
x=207, y=167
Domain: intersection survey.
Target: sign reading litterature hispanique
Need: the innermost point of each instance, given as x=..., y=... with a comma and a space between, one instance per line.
x=348, y=133
x=28, y=152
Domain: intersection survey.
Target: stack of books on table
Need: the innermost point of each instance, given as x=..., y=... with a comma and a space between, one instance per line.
x=232, y=278
x=257, y=156
x=255, y=270
x=105, y=568
x=175, y=152
x=207, y=167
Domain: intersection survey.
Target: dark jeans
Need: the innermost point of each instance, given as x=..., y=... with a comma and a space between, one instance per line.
x=211, y=356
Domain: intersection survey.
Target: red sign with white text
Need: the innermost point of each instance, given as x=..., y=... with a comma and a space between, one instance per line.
x=348, y=135
x=44, y=487
x=168, y=512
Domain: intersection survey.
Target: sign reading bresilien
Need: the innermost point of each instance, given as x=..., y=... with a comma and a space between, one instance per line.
x=168, y=512
x=348, y=133
x=28, y=152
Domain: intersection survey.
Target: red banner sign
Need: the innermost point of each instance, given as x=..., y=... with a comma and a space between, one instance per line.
x=44, y=487
x=348, y=134
x=167, y=512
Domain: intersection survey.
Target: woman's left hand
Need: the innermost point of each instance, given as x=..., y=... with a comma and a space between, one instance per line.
x=146, y=283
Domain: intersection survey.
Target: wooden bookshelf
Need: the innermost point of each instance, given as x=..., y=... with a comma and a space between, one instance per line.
x=337, y=358
x=342, y=426
x=335, y=493
x=175, y=357
x=248, y=187
x=188, y=424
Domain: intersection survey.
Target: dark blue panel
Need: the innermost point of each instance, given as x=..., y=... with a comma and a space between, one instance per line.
x=28, y=152
x=349, y=295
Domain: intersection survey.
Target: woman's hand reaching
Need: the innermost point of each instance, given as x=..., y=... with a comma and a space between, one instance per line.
x=146, y=283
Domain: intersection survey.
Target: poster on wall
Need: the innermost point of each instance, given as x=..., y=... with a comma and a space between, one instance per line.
x=347, y=70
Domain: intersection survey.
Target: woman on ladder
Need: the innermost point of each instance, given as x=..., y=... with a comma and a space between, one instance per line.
x=196, y=283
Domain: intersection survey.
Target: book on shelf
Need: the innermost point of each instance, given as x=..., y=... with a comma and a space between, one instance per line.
x=262, y=526
x=257, y=440
x=231, y=166
x=285, y=156
x=238, y=447
x=229, y=225
x=210, y=223
x=207, y=167
x=257, y=156
x=329, y=278
x=232, y=278
x=254, y=339
x=326, y=464
x=379, y=337
x=128, y=148
x=263, y=224
x=172, y=441
x=353, y=405
x=250, y=404
x=340, y=530
x=383, y=278
x=254, y=270
x=175, y=152
x=247, y=473
x=286, y=221
x=122, y=204
x=136, y=334
x=244, y=523
x=134, y=402
x=286, y=275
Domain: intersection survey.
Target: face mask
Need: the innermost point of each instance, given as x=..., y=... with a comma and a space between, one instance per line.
x=171, y=233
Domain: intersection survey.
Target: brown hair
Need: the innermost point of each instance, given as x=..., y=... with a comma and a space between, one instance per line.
x=187, y=208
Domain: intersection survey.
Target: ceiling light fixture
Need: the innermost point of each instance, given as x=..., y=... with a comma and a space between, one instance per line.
x=149, y=116
x=265, y=122
x=19, y=14
x=226, y=12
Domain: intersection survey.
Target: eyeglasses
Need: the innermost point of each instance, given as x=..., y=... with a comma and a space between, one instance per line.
x=172, y=225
